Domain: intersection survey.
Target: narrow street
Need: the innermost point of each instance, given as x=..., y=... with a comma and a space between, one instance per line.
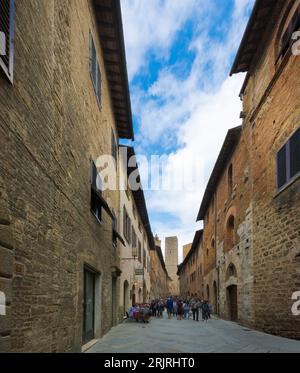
x=172, y=336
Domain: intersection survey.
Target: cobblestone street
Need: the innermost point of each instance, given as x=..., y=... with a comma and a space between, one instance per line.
x=172, y=336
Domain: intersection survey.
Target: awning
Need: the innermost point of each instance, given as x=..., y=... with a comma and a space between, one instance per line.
x=103, y=203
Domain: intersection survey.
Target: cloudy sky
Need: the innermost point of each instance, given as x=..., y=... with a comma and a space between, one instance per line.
x=179, y=53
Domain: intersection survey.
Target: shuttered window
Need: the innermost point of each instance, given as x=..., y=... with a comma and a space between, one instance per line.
x=114, y=147
x=288, y=161
x=127, y=226
x=281, y=168
x=6, y=37
x=293, y=26
x=96, y=205
x=140, y=252
x=95, y=70
x=295, y=154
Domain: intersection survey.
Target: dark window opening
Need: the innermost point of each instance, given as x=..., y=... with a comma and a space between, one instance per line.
x=96, y=203
x=95, y=70
x=114, y=147
x=7, y=37
x=126, y=226
x=293, y=26
x=288, y=161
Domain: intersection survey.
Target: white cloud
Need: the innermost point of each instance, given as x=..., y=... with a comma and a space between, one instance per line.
x=191, y=115
x=151, y=26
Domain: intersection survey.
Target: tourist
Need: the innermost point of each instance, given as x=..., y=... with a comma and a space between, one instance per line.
x=205, y=311
x=170, y=307
x=179, y=309
x=175, y=308
x=160, y=308
x=186, y=310
x=195, y=309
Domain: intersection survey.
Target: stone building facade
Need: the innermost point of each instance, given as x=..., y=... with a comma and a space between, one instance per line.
x=68, y=104
x=190, y=270
x=171, y=255
x=138, y=239
x=160, y=280
x=251, y=206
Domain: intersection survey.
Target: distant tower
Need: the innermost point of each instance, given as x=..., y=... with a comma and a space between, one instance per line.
x=171, y=252
x=157, y=241
x=186, y=250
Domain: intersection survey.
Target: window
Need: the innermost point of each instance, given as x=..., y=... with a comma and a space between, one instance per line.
x=292, y=25
x=230, y=180
x=114, y=230
x=140, y=227
x=7, y=37
x=288, y=161
x=230, y=233
x=144, y=259
x=96, y=204
x=134, y=243
x=140, y=252
x=134, y=211
x=126, y=225
x=95, y=70
x=114, y=147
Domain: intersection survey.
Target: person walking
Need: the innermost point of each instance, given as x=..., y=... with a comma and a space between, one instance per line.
x=160, y=308
x=175, y=308
x=179, y=309
x=170, y=307
x=205, y=311
x=186, y=310
x=195, y=309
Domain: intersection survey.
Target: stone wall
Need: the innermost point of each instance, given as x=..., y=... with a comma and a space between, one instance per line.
x=263, y=259
x=50, y=127
x=159, y=278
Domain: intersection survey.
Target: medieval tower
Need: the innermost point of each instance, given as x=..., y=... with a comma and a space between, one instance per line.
x=171, y=252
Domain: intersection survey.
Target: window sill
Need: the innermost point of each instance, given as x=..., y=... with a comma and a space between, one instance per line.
x=287, y=186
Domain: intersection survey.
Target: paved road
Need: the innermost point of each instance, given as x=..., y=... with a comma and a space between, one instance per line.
x=172, y=336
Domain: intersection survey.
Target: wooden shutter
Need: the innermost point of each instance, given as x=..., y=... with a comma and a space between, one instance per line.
x=7, y=29
x=295, y=154
x=94, y=175
x=98, y=80
x=124, y=223
x=281, y=168
x=293, y=26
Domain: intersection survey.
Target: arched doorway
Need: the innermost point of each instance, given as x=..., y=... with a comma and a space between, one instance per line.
x=125, y=297
x=207, y=293
x=232, y=302
x=140, y=295
x=215, y=297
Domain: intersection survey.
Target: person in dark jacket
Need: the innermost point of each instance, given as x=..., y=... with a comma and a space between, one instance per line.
x=205, y=311
x=170, y=307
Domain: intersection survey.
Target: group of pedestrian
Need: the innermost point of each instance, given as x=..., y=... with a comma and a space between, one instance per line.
x=157, y=308
x=182, y=309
